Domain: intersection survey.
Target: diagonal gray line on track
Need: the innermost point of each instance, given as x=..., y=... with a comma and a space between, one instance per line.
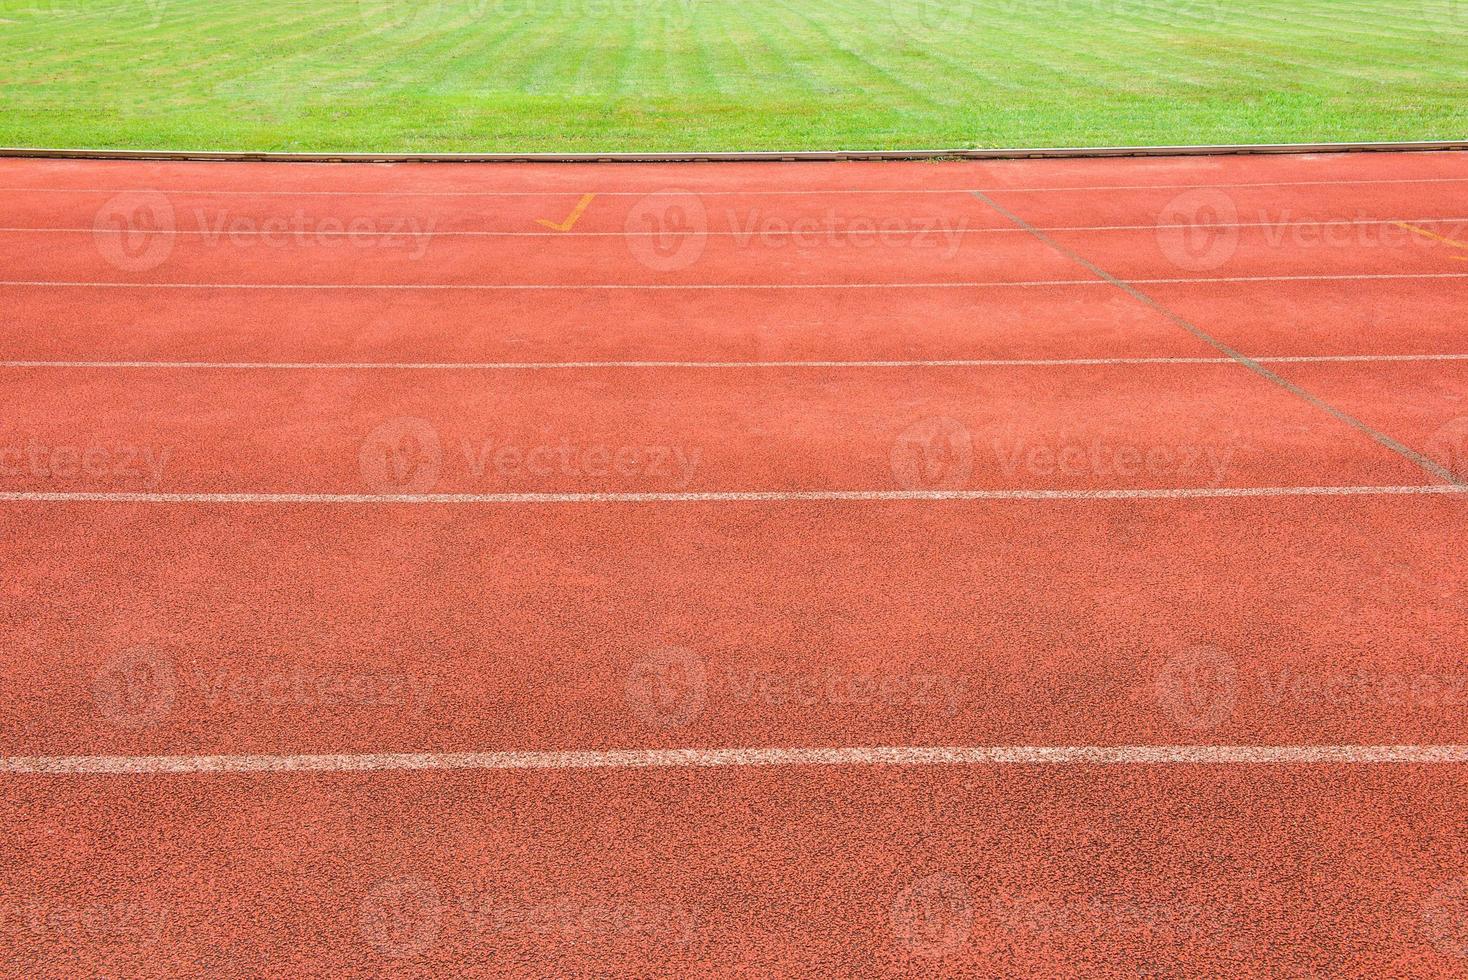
x=1381, y=438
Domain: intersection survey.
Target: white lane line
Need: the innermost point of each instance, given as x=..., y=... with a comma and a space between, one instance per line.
x=1352, y=358
x=553, y=286
x=1089, y=755
x=483, y=233
x=1029, y=283
x=592, y=365
x=751, y=496
x=767, y=233
x=697, y=365
x=1240, y=184
x=1345, y=277
x=742, y=192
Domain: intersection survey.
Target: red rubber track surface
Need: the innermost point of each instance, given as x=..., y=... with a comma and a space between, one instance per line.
x=1287, y=326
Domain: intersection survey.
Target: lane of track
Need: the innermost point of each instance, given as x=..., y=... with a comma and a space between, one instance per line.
x=1311, y=871
x=826, y=325
x=1146, y=254
x=1266, y=319
x=1314, y=212
x=1426, y=405
x=670, y=430
x=296, y=630
x=1323, y=318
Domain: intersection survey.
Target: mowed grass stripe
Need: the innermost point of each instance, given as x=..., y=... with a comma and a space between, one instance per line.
x=709, y=74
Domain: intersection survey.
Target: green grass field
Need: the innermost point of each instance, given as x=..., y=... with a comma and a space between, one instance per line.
x=726, y=74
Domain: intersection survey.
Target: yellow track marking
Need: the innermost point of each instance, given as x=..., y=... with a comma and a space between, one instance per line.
x=572, y=218
x=1428, y=234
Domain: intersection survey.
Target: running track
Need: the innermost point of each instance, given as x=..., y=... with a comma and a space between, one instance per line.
x=1045, y=568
